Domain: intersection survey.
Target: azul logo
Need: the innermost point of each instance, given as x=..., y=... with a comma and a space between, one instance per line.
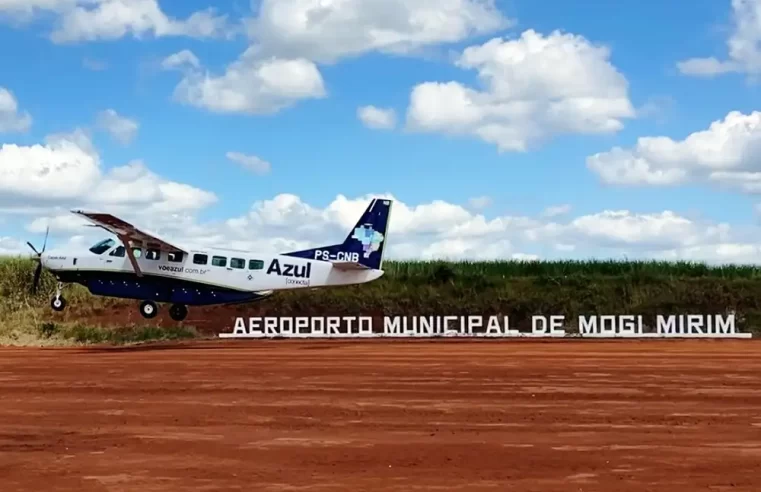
x=290, y=270
x=370, y=238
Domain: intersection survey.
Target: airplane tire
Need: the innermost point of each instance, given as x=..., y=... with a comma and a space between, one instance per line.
x=149, y=309
x=178, y=312
x=58, y=303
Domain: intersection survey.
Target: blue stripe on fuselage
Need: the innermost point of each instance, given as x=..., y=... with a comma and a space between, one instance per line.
x=159, y=289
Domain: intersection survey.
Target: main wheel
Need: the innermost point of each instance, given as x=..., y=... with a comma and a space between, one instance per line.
x=58, y=303
x=149, y=309
x=178, y=312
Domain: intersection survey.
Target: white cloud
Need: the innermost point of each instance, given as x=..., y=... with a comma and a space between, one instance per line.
x=726, y=154
x=181, y=59
x=250, y=162
x=122, y=129
x=665, y=229
x=743, y=45
x=706, y=67
x=377, y=118
x=535, y=86
x=11, y=119
x=288, y=38
x=434, y=230
x=479, y=202
x=90, y=20
x=556, y=210
x=66, y=171
x=325, y=31
x=250, y=85
x=61, y=169
x=12, y=247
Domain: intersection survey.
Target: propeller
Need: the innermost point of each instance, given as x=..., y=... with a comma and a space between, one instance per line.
x=38, y=270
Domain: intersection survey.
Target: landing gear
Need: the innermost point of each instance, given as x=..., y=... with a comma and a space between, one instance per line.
x=149, y=309
x=178, y=312
x=58, y=303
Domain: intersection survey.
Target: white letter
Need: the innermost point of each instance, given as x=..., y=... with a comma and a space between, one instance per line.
x=588, y=326
x=694, y=324
x=333, y=323
x=534, y=329
x=366, y=326
x=318, y=326
x=627, y=326
x=240, y=327
x=665, y=327
x=348, y=320
x=725, y=326
x=426, y=325
x=447, y=330
x=392, y=326
x=493, y=330
x=253, y=325
x=608, y=325
x=303, y=322
x=270, y=326
x=474, y=322
x=556, y=325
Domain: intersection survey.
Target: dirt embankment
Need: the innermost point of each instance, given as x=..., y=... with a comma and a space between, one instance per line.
x=682, y=416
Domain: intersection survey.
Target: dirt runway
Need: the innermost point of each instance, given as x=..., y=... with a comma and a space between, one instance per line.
x=565, y=416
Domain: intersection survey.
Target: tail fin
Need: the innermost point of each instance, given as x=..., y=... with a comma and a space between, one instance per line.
x=365, y=244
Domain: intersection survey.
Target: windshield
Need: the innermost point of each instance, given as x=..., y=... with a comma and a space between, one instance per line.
x=102, y=246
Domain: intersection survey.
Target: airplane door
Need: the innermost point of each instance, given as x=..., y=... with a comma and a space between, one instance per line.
x=236, y=271
x=114, y=259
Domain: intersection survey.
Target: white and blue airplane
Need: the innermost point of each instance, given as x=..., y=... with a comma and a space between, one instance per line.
x=142, y=266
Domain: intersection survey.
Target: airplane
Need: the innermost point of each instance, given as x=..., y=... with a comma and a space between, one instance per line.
x=145, y=267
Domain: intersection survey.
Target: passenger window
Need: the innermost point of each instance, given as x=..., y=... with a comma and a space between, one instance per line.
x=219, y=261
x=137, y=252
x=120, y=251
x=255, y=265
x=237, y=263
x=174, y=257
x=200, y=259
x=152, y=254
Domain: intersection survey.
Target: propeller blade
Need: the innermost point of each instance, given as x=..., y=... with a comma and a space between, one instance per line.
x=33, y=248
x=36, y=281
x=45, y=244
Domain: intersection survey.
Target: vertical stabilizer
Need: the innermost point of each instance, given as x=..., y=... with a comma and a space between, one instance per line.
x=365, y=244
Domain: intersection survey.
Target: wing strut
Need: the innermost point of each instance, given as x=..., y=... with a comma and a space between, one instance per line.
x=131, y=255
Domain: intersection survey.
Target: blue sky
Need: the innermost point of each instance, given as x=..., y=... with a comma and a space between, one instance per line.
x=318, y=148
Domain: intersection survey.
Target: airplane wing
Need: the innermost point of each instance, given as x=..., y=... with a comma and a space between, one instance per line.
x=348, y=265
x=126, y=232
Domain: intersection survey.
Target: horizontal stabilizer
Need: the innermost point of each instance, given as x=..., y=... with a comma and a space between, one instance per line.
x=349, y=265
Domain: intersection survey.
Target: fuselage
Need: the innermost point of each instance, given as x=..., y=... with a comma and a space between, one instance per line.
x=201, y=277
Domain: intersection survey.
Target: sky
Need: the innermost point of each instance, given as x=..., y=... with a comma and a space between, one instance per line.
x=502, y=129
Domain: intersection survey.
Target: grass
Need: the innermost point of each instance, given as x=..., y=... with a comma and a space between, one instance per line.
x=518, y=289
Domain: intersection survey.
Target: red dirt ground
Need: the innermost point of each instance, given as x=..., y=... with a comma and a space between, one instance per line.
x=549, y=416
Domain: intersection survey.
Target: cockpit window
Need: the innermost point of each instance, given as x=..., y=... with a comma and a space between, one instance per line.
x=118, y=252
x=102, y=246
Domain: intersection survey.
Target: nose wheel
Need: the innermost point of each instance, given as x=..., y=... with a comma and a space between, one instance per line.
x=58, y=303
